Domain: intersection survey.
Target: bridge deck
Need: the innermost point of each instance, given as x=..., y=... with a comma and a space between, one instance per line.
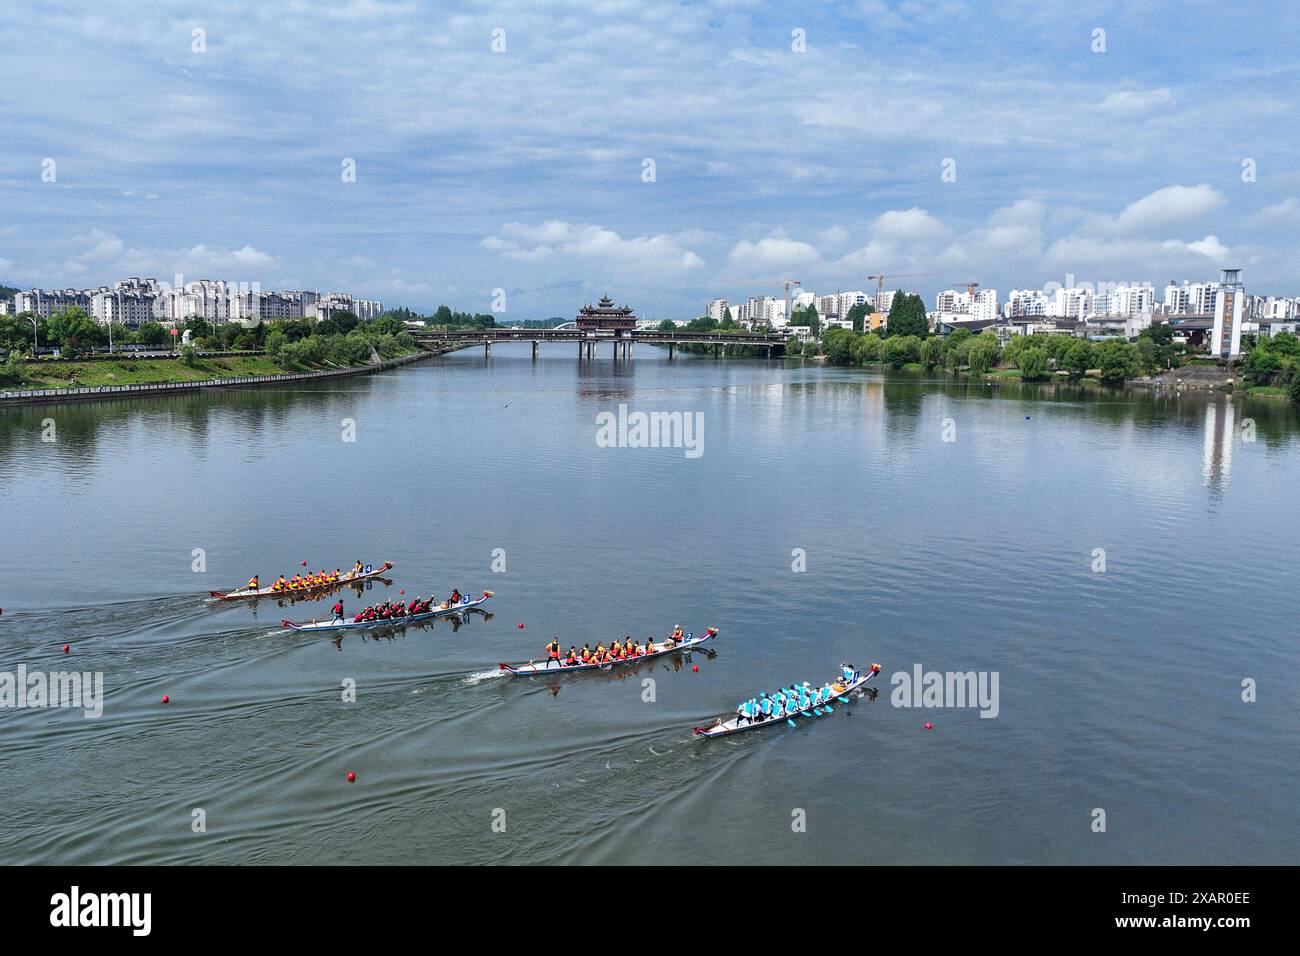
x=768, y=339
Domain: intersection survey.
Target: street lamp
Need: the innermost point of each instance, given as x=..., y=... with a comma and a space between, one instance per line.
x=35, y=343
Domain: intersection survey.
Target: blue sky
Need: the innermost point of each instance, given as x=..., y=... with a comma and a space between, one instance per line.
x=522, y=169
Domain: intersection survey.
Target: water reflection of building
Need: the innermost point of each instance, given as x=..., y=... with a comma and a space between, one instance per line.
x=1216, y=459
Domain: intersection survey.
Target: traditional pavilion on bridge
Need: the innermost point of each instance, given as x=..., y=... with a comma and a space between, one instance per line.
x=605, y=316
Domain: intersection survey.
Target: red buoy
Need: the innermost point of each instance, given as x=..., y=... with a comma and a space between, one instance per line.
x=166, y=699
x=66, y=648
x=695, y=668
x=304, y=564
x=929, y=726
x=402, y=591
x=352, y=777
x=521, y=625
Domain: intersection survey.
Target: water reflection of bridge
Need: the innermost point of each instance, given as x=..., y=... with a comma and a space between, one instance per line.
x=772, y=343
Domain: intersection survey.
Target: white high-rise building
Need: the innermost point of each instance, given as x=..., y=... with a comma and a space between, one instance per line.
x=774, y=312
x=1203, y=296
x=717, y=310
x=1026, y=302
x=985, y=304
x=952, y=301
x=1069, y=303
x=43, y=302
x=1132, y=300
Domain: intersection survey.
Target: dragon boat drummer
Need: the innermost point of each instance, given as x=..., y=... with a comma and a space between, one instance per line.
x=553, y=653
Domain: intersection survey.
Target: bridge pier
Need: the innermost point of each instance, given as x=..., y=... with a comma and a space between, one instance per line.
x=536, y=344
x=672, y=350
x=717, y=351
x=487, y=348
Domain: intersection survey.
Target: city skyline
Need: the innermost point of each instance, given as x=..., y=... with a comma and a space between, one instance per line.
x=819, y=145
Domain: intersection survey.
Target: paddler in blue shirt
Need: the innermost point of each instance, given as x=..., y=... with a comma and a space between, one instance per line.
x=765, y=704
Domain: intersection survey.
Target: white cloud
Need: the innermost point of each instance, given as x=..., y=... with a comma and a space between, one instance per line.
x=1284, y=213
x=1129, y=102
x=1170, y=206
x=586, y=245
x=908, y=225
x=771, y=258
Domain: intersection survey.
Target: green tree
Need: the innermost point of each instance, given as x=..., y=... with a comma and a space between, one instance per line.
x=983, y=353
x=667, y=325
x=1032, y=363
x=1118, y=360
x=838, y=345
x=867, y=349
x=16, y=332
x=1146, y=347
x=151, y=333
x=858, y=316
x=1077, y=358
x=808, y=317
x=13, y=370
x=907, y=316
x=73, y=330
x=896, y=350
x=932, y=350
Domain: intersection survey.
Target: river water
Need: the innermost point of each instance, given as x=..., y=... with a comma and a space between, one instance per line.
x=1122, y=562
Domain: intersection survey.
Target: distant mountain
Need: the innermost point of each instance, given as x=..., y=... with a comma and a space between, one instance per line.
x=8, y=291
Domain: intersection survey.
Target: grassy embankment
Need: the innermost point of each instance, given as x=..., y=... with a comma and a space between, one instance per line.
x=129, y=371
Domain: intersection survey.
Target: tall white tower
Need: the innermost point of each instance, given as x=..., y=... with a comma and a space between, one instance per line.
x=1225, y=342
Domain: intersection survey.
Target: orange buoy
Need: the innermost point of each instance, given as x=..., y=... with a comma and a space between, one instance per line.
x=352, y=777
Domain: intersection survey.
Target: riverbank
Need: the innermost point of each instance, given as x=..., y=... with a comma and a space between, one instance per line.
x=1189, y=378
x=130, y=378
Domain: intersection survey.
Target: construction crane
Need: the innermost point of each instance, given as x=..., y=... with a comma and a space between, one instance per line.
x=880, y=280
x=788, y=283
x=970, y=289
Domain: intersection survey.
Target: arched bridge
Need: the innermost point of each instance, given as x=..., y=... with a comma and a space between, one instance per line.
x=773, y=343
